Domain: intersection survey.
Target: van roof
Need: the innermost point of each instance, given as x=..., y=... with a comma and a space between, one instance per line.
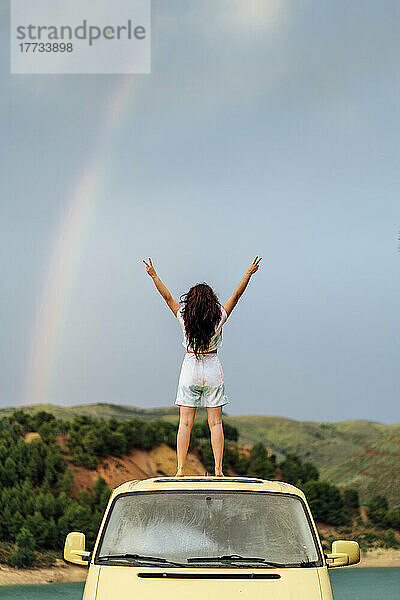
x=206, y=483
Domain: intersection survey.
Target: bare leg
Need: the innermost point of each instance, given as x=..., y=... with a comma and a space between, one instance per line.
x=214, y=416
x=186, y=420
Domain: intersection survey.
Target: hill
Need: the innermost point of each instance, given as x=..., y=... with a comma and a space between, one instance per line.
x=325, y=444
x=136, y=464
x=357, y=453
x=374, y=470
x=121, y=412
x=56, y=475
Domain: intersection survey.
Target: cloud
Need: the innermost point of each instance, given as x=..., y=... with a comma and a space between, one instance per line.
x=250, y=17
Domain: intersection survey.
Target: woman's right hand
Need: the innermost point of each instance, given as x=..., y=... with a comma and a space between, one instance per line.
x=254, y=266
x=150, y=269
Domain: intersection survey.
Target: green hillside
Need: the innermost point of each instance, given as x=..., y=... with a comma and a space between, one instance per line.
x=56, y=475
x=325, y=444
x=360, y=453
x=121, y=412
x=374, y=470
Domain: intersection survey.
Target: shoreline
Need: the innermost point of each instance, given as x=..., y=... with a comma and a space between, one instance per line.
x=60, y=572
x=379, y=557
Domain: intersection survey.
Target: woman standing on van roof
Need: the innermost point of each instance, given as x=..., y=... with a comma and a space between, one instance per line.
x=201, y=317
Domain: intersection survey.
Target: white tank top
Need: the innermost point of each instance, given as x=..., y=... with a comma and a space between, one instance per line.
x=216, y=340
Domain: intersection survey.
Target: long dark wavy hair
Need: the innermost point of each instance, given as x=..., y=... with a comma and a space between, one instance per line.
x=201, y=314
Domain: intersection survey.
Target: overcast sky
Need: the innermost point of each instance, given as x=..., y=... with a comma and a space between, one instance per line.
x=266, y=127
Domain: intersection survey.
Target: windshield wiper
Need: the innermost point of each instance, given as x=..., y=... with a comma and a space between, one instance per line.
x=140, y=558
x=308, y=563
x=231, y=558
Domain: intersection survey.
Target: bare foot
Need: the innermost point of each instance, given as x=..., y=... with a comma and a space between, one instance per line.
x=180, y=473
x=219, y=474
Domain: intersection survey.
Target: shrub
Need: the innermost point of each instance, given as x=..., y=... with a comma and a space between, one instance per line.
x=392, y=518
x=351, y=499
x=260, y=464
x=390, y=540
x=295, y=471
x=325, y=502
x=207, y=457
x=231, y=433
x=377, y=510
x=237, y=461
x=23, y=555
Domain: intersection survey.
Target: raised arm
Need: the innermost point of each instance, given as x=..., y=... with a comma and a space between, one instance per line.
x=165, y=293
x=233, y=300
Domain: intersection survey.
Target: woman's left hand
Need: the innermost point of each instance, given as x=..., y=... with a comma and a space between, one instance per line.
x=150, y=269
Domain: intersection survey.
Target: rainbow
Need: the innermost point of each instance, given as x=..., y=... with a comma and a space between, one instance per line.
x=68, y=247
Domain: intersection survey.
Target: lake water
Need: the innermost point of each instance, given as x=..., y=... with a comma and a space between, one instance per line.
x=349, y=584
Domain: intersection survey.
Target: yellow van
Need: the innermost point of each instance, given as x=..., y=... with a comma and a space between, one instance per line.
x=195, y=538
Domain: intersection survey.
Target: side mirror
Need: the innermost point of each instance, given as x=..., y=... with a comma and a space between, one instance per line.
x=343, y=553
x=74, y=549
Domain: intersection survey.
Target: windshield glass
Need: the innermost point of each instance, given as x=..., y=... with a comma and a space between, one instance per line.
x=177, y=526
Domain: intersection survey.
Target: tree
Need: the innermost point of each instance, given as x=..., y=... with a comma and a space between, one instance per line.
x=377, y=510
x=310, y=473
x=150, y=437
x=39, y=527
x=64, y=483
x=390, y=540
x=45, y=503
x=78, y=518
x=95, y=443
x=42, y=417
x=101, y=493
x=134, y=432
x=294, y=471
x=392, y=518
x=12, y=521
x=23, y=555
x=36, y=464
x=206, y=456
x=351, y=499
x=233, y=458
x=117, y=445
x=10, y=471
x=325, y=501
x=260, y=464
x=231, y=433
x=47, y=430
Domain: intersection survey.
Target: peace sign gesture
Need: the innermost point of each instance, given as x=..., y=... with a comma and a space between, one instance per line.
x=150, y=269
x=254, y=266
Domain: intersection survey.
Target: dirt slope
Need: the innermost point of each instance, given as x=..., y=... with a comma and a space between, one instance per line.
x=138, y=464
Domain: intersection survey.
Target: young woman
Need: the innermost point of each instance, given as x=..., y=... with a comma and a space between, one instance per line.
x=201, y=317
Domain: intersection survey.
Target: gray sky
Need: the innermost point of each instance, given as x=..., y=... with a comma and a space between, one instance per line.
x=266, y=128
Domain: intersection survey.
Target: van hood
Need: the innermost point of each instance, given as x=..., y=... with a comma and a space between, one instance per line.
x=125, y=583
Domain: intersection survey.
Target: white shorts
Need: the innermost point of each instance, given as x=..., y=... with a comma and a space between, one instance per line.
x=201, y=379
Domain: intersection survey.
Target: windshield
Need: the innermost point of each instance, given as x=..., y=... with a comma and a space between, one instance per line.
x=179, y=526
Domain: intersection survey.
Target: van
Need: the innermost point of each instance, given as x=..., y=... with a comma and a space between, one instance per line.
x=193, y=538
